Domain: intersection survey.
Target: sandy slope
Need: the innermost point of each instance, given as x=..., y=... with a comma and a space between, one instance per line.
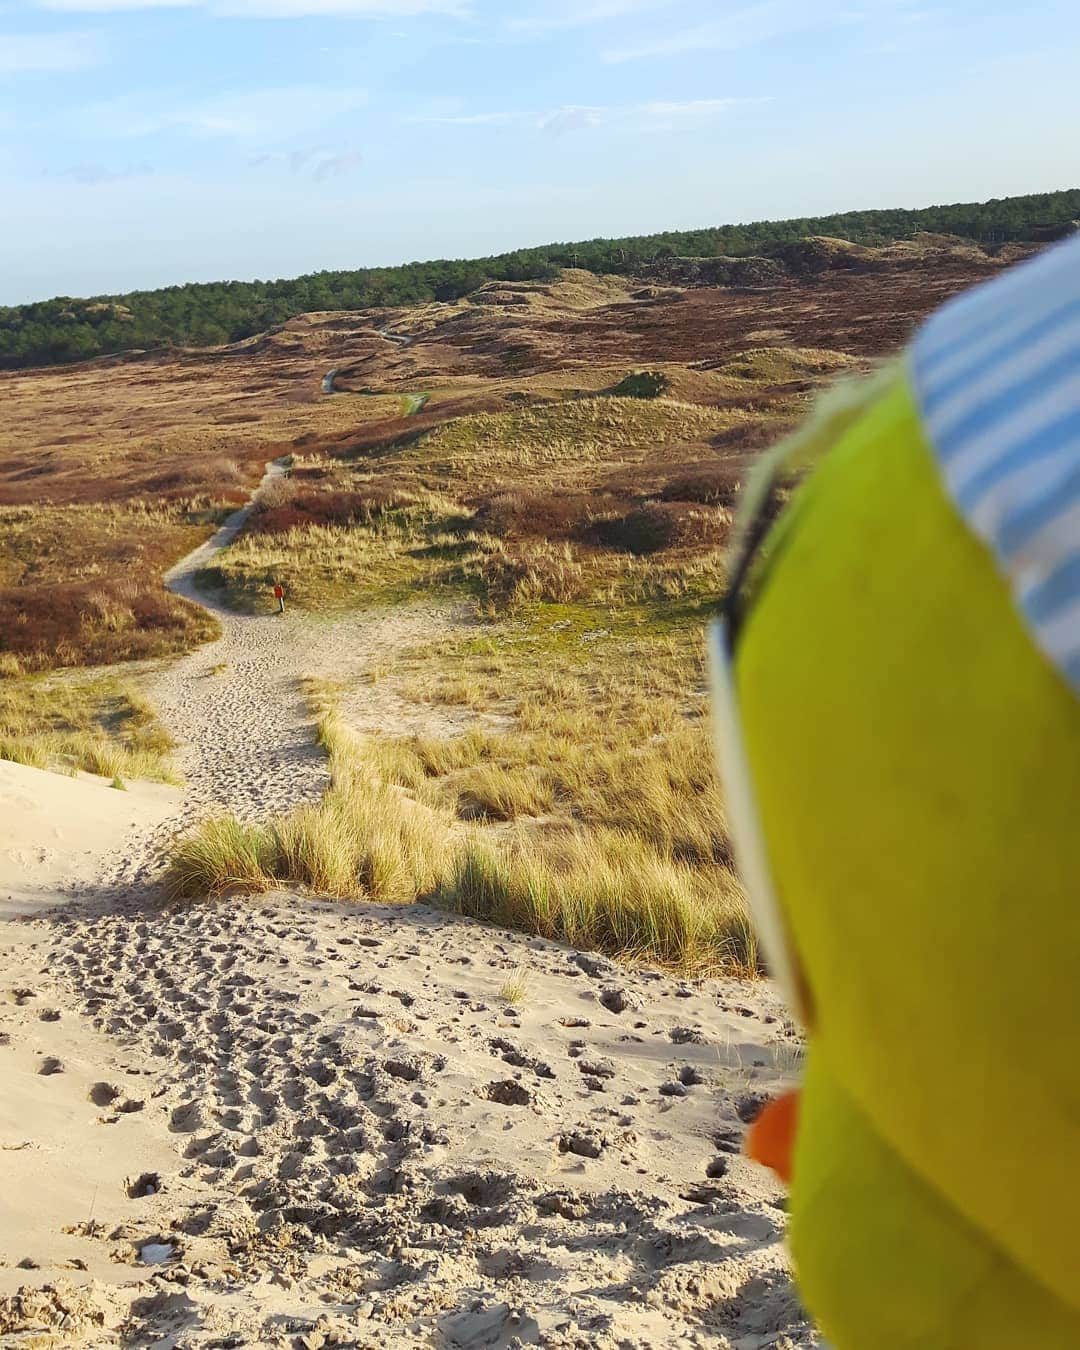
x=60, y=832
x=328, y=1119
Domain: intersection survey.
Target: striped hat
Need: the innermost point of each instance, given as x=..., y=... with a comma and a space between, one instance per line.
x=996, y=375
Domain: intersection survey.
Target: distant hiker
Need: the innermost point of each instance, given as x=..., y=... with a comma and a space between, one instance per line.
x=279, y=596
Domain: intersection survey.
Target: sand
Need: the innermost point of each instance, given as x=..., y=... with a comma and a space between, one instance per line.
x=287, y=1121
x=62, y=833
x=345, y=1124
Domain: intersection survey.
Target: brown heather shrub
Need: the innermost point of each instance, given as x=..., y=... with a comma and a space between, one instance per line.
x=717, y=485
x=540, y=515
x=277, y=493
x=97, y=623
x=284, y=508
x=663, y=525
x=756, y=433
x=646, y=529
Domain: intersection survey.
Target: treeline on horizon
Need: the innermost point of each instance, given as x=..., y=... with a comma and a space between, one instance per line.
x=207, y=314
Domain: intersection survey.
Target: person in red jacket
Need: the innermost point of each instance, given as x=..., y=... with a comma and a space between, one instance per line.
x=279, y=596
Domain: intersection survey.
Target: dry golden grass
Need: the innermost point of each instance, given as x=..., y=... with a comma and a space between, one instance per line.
x=341, y=564
x=160, y=426
x=94, y=722
x=431, y=546
x=574, y=495
x=515, y=987
x=610, y=893
x=603, y=832
x=573, y=433
x=354, y=534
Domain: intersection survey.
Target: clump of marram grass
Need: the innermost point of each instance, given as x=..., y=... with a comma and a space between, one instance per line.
x=515, y=987
x=651, y=776
x=600, y=890
x=362, y=841
x=491, y=791
x=605, y=891
x=222, y=854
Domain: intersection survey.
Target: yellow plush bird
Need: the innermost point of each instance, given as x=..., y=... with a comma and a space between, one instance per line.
x=897, y=682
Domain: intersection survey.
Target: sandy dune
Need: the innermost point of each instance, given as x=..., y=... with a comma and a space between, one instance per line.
x=291, y=1122
x=60, y=833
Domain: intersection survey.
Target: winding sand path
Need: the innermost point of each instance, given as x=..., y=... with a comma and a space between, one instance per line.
x=244, y=730
x=235, y=706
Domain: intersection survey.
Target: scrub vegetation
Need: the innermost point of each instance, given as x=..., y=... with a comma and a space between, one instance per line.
x=554, y=463
x=80, y=584
x=585, y=530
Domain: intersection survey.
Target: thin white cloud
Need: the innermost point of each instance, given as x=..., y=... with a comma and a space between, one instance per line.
x=568, y=16
x=573, y=117
x=747, y=27
x=266, y=113
x=21, y=53
x=318, y=162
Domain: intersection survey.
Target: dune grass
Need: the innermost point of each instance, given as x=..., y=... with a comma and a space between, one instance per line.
x=605, y=891
x=572, y=432
x=515, y=987
x=93, y=722
x=431, y=541
x=618, y=847
x=372, y=558
x=360, y=841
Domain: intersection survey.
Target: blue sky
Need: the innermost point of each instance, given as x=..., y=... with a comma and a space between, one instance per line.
x=146, y=142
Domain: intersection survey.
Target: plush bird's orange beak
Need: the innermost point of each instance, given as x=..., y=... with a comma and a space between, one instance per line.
x=771, y=1138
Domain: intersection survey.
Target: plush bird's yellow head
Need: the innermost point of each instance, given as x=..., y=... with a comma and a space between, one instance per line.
x=907, y=705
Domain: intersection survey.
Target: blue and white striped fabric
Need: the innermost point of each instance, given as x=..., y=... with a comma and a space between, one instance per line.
x=996, y=374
